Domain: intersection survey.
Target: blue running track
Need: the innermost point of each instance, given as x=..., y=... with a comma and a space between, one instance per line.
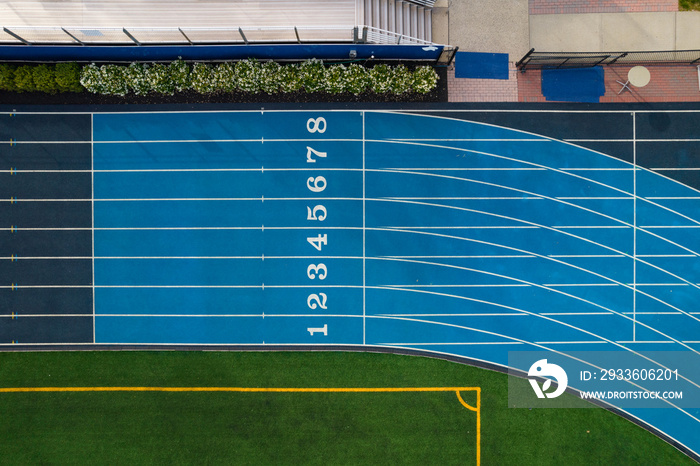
x=379, y=229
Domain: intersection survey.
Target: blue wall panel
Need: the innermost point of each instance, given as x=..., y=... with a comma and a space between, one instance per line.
x=90, y=53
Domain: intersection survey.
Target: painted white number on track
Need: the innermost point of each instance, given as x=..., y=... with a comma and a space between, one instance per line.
x=317, y=213
x=319, y=184
x=313, y=214
x=317, y=300
x=323, y=330
x=316, y=125
x=311, y=152
x=318, y=242
x=319, y=269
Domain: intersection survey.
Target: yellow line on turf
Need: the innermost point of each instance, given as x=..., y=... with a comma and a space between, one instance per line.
x=476, y=409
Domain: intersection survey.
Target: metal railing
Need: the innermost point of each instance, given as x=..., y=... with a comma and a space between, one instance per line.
x=539, y=60
x=173, y=35
x=428, y=3
x=375, y=35
x=194, y=35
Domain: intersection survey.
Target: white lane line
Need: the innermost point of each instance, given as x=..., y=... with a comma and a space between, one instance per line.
x=521, y=256
x=586, y=256
x=614, y=283
x=464, y=343
x=215, y=170
x=233, y=287
x=634, y=167
x=512, y=285
x=256, y=258
x=470, y=140
x=462, y=198
x=24, y=316
x=92, y=208
x=570, y=342
x=674, y=198
x=260, y=315
x=656, y=342
x=467, y=169
x=495, y=314
x=549, y=258
x=593, y=198
x=591, y=227
x=674, y=169
x=421, y=227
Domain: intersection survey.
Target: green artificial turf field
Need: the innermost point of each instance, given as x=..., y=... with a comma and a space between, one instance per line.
x=292, y=427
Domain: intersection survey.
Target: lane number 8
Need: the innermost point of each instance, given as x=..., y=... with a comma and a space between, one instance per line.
x=316, y=125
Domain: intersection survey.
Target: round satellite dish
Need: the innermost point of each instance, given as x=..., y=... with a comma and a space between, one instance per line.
x=639, y=76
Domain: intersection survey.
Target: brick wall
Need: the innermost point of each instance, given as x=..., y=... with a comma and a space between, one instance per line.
x=542, y=7
x=482, y=90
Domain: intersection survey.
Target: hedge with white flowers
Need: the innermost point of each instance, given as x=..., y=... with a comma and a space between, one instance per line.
x=253, y=77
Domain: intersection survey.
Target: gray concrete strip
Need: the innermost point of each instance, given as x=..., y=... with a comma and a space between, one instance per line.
x=495, y=26
x=610, y=32
x=688, y=30
x=441, y=22
x=566, y=33
x=638, y=31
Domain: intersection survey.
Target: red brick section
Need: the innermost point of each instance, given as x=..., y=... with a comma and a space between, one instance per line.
x=530, y=86
x=482, y=90
x=677, y=83
x=545, y=7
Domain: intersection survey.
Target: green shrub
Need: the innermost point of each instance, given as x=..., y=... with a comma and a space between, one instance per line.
x=289, y=78
x=24, y=79
x=335, y=79
x=114, y=79
x=248, y=74
x=201, y=78
x=7, y=77
x=225, y=77
x=159, y=80
x=380, y=79
x=401, y=80
x=357, y=79
x=91, y=79
x=689, y=5
x=105, y=79
x=312, y=75
x=270, y=77
x=180, y=74
x=424, y=79
x=68, y=77
x=44, y=79
x=136, y=79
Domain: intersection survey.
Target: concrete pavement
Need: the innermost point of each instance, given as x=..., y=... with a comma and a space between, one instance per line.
x=507, y=26
x=610, y=32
